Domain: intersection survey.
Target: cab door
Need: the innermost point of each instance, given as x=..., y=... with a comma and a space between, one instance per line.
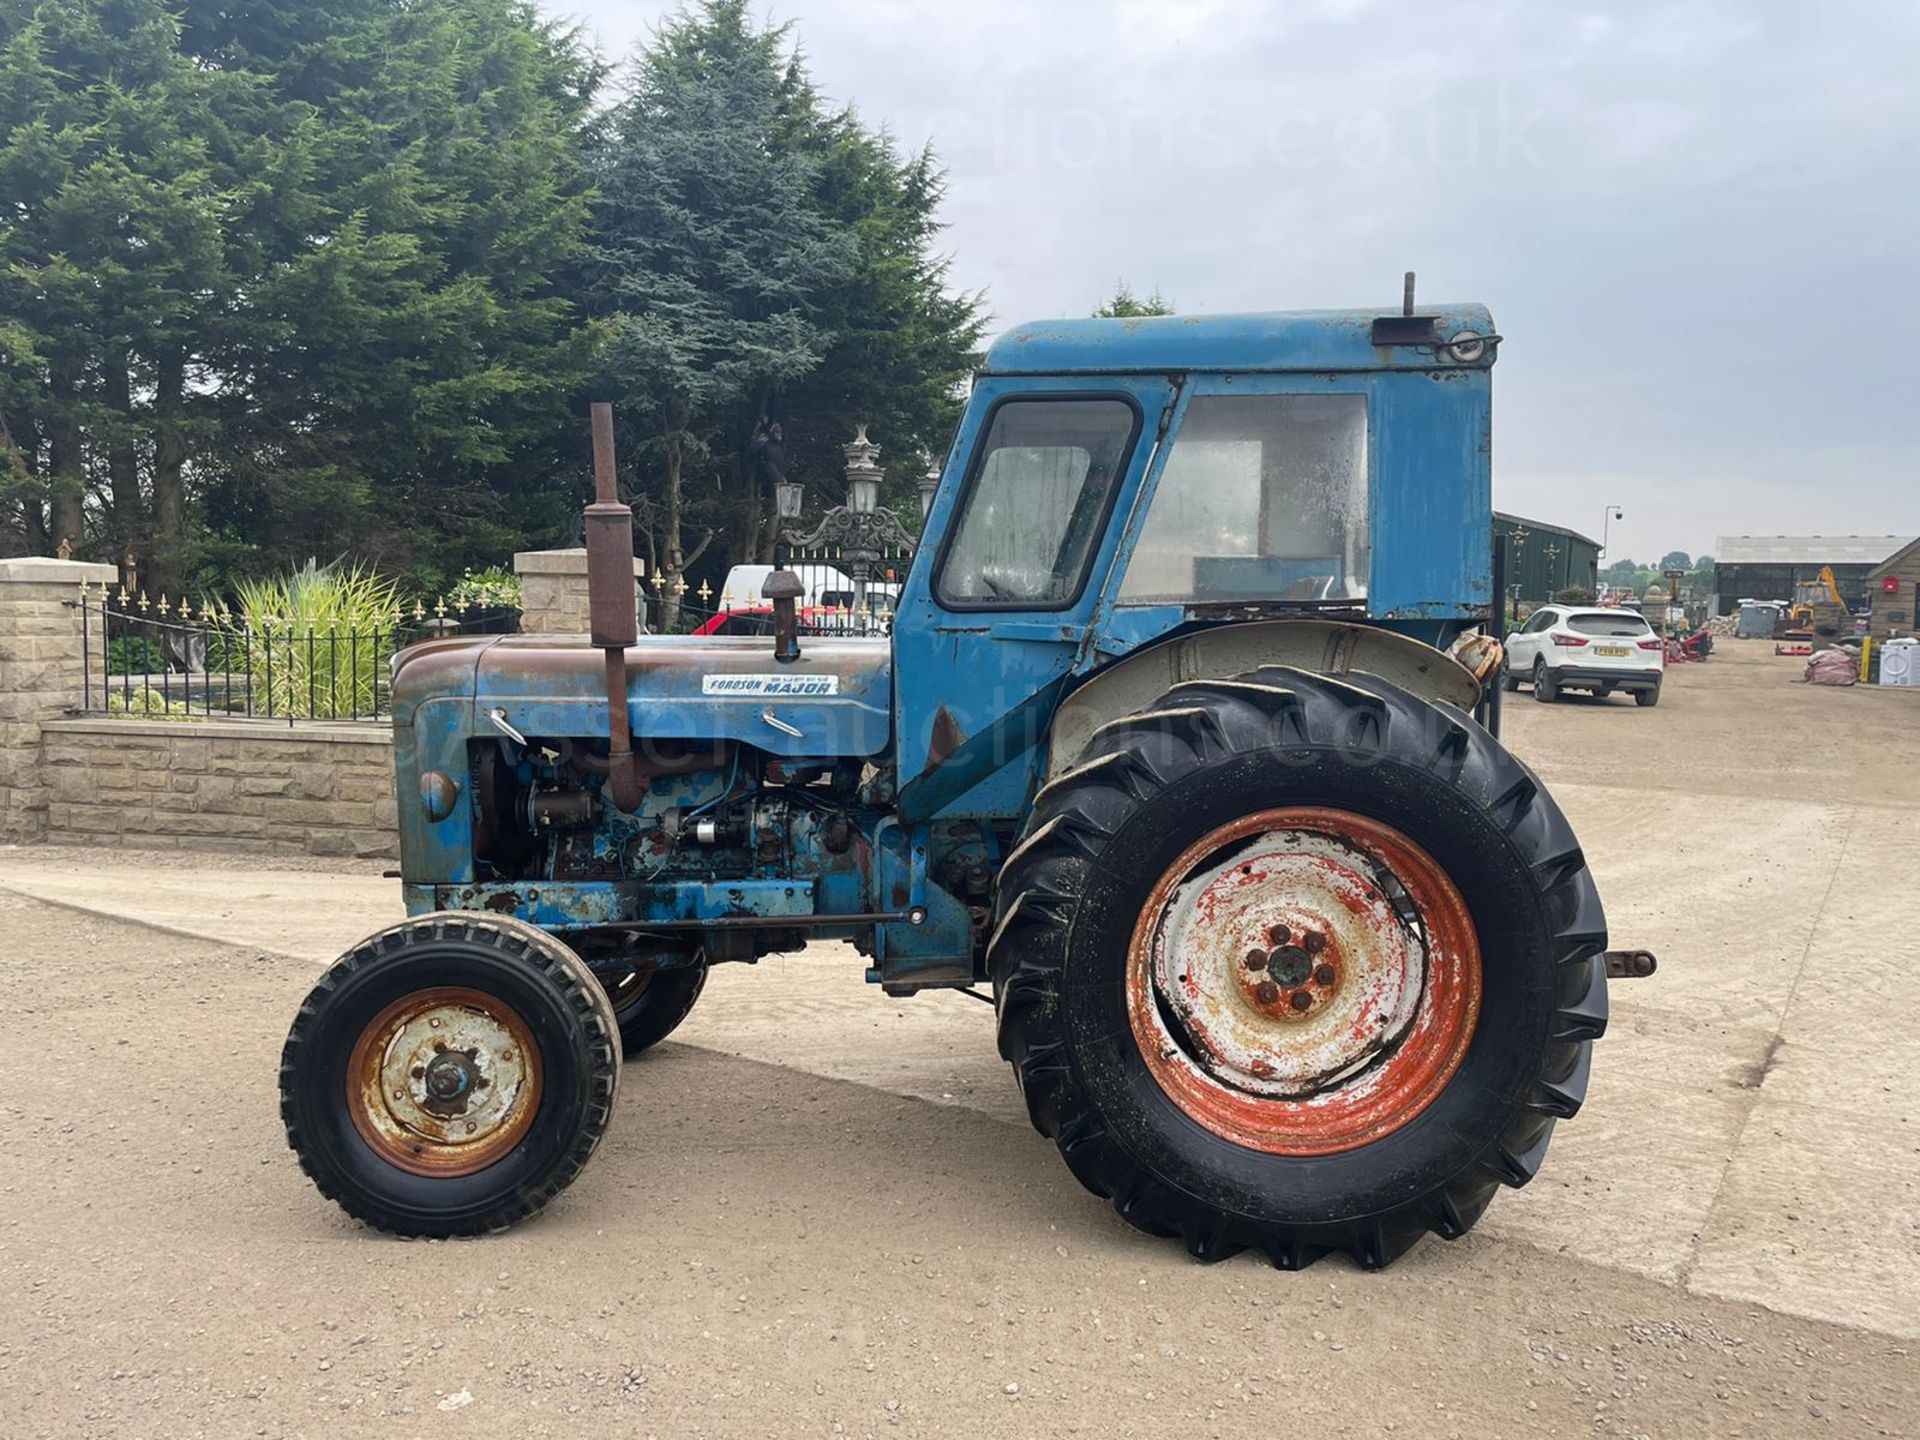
x=1018, y=546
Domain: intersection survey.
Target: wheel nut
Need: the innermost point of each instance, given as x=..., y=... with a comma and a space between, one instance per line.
x=1267, y=992
x=1279, y=934
x=1315, y=944
x=1256, y=960
x=1300, y=999
x=1324, y=975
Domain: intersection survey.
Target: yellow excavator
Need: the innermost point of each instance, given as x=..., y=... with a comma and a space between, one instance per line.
x=1818, y=609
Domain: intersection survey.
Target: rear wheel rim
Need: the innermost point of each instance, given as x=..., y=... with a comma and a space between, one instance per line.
x=444, y=1082
x=626, y=993
x=1303, y=981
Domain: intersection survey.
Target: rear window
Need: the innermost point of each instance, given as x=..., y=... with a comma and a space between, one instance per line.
x=1619, y=623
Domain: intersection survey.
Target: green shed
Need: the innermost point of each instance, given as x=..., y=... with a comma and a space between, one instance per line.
x=1543, y=559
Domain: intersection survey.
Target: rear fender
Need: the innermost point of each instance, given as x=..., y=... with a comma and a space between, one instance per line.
x=1325, y=647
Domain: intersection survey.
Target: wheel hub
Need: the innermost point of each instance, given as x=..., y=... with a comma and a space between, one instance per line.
x=1302, y=978
x=444, y=1081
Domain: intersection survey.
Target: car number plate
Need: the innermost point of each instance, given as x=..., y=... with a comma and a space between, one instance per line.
x=1612, y=652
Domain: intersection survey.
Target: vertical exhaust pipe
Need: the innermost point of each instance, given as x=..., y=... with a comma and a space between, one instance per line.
x=612, y=621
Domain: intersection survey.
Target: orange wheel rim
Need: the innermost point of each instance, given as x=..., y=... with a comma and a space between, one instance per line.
x=444, y=1082
x=1303, y=981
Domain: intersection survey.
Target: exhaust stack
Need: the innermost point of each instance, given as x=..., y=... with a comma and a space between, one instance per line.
x=612, y=620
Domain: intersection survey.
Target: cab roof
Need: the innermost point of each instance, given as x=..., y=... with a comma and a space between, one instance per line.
x=1317, y=340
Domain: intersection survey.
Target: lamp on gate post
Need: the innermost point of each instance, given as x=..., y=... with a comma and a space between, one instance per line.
x=863, y=473
x=788, y=496
x=927, y=484
x=862, y=532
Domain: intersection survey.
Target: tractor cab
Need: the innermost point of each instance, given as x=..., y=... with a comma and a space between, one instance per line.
x=1116, y=483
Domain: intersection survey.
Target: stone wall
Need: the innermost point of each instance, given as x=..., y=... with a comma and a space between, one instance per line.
x=40, y=676
x=553, y=591
x=307, y=789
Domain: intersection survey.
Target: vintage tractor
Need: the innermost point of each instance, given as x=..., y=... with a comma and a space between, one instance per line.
x=1174, y=743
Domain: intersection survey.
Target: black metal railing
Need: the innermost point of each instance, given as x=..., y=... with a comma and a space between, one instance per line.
x=155, y=661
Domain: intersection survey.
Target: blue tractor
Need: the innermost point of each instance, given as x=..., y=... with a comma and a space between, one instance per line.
x=1182, y=742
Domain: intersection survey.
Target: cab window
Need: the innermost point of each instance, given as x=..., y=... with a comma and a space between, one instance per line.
x=1263, y=497
x=1041, y=485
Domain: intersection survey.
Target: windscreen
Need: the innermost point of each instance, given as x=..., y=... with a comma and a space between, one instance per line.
x=1619, y=623
x=1263, y=497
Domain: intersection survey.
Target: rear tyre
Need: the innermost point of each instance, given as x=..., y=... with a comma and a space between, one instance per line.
x=1546, y=689
x=450, y=1075
x=649, y=1004
x=1647, y=699
x=1308, y=812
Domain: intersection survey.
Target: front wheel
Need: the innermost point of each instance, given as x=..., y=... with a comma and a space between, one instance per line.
x=1298, y=964
x=450, y=1075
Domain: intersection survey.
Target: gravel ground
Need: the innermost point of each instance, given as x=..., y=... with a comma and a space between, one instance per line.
x=827, y=1217
x=755, y=1251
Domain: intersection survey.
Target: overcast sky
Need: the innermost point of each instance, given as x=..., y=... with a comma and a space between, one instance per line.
x=1698, y=225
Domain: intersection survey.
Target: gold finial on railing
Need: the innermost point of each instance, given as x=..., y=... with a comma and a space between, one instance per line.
x=440, y=608
x=659, y=581
x=679, y=585
x=419, y=612
x=164, y=608
x=124, y=597
x=143, y=601
x=726, y=601
x=706, y=592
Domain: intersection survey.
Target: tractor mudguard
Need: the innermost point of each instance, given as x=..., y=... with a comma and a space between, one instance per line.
x=1325, y=647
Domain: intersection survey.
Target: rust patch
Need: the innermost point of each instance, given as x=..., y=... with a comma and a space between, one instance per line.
x=1355, y=1023
x=444, y=1082
x=947, y=738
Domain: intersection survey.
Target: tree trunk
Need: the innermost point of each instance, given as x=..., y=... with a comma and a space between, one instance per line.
x=66, y=461
x=168, y=563
x=22, y=455
x=123, y=465
x=17, y=461
x=669, y=593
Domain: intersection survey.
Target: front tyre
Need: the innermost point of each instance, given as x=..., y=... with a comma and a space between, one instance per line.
x=450, y=1075
x=1299, y=964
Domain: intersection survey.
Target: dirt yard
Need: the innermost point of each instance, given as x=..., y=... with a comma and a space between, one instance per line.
x=824, y=1214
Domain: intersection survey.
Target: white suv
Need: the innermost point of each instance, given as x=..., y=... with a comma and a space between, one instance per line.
x=1567, y=647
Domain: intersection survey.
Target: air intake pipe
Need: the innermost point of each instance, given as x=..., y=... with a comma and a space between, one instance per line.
x=612, y=610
